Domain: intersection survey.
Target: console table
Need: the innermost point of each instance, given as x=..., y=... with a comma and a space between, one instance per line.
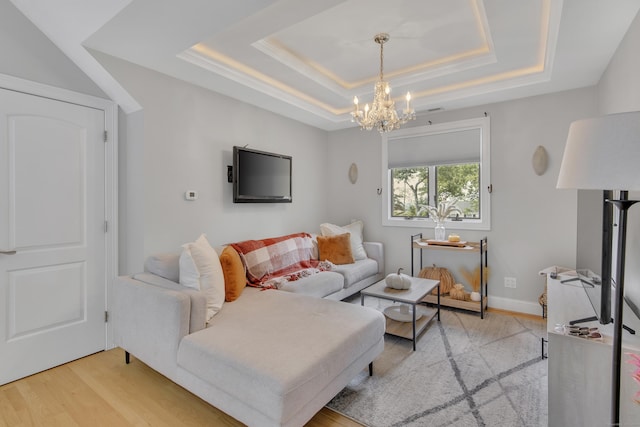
x=470, y=248
x=580, y=369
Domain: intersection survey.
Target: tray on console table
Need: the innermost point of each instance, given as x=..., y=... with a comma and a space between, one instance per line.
x=446, y=245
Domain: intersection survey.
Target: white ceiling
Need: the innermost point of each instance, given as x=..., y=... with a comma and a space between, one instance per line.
x=307, y=59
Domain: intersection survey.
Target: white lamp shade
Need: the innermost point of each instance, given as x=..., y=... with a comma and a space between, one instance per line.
x=603, y=153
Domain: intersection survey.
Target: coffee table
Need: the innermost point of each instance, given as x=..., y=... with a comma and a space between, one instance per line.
x=412, y=296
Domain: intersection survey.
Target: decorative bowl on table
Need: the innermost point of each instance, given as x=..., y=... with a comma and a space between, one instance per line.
x=401, y=313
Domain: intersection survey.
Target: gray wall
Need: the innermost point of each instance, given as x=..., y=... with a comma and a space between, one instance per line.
x=619, y=91
x=182, y=140
x=533, y=223
x=131, y=207
x=28, y=54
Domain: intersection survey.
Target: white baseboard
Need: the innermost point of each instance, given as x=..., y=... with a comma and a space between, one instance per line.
x=515, y=305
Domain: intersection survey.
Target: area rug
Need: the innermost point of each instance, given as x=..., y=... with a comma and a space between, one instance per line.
x=464, y=372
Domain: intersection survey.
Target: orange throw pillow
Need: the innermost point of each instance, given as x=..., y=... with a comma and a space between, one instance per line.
x=235, y=278
x=336, y=249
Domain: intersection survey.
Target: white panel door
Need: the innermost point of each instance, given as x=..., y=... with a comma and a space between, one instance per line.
x=52, y=237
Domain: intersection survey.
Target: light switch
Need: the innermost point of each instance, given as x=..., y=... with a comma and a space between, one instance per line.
x=191, y=195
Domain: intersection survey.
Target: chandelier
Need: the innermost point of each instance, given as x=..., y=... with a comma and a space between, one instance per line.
x=382, y=114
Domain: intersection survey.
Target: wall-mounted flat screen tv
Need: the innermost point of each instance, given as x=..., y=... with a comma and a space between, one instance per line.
x=261, y=177
x=594, y=258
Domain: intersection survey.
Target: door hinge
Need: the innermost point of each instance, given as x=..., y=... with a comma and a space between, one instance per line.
x=106, y=226
x=105, y=136
x=106, y=317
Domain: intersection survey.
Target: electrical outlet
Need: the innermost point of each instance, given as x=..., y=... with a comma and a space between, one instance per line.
x=509, y=282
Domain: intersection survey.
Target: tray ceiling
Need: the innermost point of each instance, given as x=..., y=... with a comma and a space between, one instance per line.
x=306, y=60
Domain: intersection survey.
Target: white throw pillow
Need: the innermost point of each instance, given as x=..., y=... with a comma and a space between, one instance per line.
x=200, y=269
x=355, y=231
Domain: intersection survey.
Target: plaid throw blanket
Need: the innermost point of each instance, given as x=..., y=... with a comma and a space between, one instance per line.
x=271, y=261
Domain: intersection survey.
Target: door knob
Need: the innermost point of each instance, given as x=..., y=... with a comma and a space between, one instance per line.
x=7, y=252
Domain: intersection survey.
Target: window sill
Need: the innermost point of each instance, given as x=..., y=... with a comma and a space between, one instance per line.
x=428, y=223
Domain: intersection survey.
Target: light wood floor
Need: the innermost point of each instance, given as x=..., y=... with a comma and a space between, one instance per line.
x=101, y=390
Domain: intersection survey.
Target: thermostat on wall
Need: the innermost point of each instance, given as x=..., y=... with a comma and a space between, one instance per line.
x=191, y=195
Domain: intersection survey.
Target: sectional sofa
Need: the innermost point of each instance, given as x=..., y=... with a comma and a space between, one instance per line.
x=273, y=356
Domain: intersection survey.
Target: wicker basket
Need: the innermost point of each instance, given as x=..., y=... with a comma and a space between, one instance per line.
x=543, y=301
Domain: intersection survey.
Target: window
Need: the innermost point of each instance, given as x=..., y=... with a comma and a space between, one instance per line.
x=425, y=165
x=411, y=189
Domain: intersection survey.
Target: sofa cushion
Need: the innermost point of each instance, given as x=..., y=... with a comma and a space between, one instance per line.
x=336, y=249
x=355, y=230
x=235, y=278
x=357, y=271
x=317, y=285
x=200, y=269
x=164, y=265
x=276, y=256
x=278, y=370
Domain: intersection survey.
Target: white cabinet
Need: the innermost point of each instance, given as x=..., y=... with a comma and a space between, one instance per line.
x=579, y=369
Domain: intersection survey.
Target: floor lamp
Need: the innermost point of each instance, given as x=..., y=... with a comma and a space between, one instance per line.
x=603, y=153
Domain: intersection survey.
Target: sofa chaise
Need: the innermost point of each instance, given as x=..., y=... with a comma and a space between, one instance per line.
x=271, y=357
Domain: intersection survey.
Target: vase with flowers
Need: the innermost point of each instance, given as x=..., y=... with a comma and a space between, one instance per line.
x=440, y=213
x=474, y=280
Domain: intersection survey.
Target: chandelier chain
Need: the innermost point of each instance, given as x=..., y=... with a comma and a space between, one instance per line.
x=381, y=59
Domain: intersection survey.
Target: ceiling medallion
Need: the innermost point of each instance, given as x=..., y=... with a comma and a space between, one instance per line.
x=382, y=114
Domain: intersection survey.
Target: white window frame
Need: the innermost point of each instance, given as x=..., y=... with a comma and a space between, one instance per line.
x=484, y=222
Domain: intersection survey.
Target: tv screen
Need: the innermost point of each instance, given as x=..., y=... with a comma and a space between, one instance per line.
x=592, y=284
x=594, y=254
x=631, y=300
x=261, y=177
x=604, y=315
